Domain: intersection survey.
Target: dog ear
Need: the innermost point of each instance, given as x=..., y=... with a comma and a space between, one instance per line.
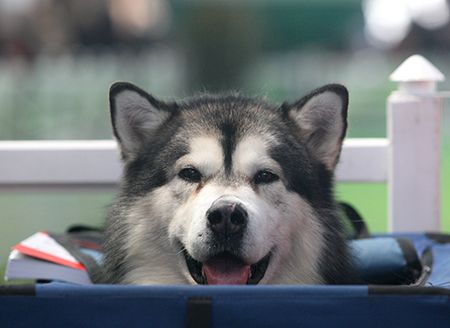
x=322, y=119
x=135, y=116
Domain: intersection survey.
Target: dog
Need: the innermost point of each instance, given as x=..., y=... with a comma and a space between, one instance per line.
x=227, y=189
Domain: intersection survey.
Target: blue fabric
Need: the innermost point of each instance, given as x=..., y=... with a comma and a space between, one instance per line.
x=376, y=257
x=59, y=289
x=440, y=274
x=65, y=305
x=421, y=242
x=314, y=311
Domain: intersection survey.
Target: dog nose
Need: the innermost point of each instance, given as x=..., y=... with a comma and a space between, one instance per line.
x=227, y=217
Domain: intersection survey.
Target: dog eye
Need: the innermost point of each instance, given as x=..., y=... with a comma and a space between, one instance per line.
x=190, y=174
x=265, y=176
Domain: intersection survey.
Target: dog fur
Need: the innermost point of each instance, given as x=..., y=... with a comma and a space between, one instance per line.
x=275, y=162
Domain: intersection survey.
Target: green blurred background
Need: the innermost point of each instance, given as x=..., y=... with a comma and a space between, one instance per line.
x=58, y=59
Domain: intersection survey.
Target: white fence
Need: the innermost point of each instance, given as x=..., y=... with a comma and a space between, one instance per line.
x=408, y=160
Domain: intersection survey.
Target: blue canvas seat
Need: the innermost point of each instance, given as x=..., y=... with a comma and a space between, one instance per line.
x=68, y=305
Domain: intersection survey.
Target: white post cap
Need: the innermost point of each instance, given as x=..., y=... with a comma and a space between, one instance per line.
x=417, y=75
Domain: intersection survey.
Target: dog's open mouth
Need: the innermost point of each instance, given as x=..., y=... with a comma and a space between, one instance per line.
x=226, y=269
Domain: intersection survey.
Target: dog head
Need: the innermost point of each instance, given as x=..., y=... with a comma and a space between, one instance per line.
x=225, y=189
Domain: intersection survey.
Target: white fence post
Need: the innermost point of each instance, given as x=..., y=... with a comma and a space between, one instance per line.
x=414, y=118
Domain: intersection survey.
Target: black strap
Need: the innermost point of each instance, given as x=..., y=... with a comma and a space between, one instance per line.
x=441, y=238
x=413, y=269
x=427, y=265
x=18, y=290
x=356, y=220
x=408, y=290
x=71, y=241
x=82, y=228
x=199, y=312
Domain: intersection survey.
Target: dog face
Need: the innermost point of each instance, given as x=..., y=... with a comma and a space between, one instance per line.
x=225, y=190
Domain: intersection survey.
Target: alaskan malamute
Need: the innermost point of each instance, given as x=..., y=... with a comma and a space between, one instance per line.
x=227, y=190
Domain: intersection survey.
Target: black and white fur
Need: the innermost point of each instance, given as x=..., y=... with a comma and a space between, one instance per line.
x=275, y=162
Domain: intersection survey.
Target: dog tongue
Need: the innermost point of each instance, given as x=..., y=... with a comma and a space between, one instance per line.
x=226, y=270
